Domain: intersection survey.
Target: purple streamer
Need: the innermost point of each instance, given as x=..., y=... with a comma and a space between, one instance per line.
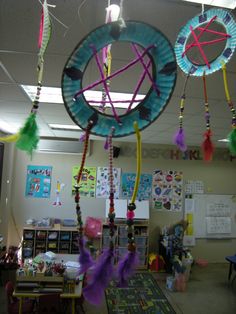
x=126, y=268
x=179, y=140
x=106, y=145
x=82, y=137
x=85, y=259
x=102, y=274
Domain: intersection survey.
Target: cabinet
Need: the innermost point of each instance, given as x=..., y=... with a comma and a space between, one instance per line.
x=141, y=233
x=57, y=239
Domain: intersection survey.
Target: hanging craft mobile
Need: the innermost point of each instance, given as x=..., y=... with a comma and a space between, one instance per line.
x=194, y=30
x=28, y=137
x=146, y=42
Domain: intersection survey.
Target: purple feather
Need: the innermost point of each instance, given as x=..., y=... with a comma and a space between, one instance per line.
x=179, y=140
x=85, y=259
x=126, y=268
x=106, y=144
x=82, y=137
x=101, y=276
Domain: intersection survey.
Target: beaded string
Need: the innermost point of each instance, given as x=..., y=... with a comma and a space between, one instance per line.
x=182, y=103
x=207, y=113
x=77, y=196
x=111, y=214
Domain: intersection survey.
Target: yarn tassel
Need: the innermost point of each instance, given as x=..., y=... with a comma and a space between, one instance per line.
x=10, y=138
x=232, y=142
x=28, y=135
x=207, y=146
x=127, y=267
x=179, y=140
x=85, y=259
x=101, y=276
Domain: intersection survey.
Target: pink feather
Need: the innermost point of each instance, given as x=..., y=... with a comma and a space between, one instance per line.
x=41, y=30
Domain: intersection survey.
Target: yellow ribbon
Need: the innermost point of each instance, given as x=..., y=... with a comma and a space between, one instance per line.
x=139, y=161
x=10, y=138
x=226, y=83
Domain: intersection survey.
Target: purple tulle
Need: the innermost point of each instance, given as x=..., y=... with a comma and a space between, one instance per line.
x=126, y=268
x=82, y=137
x=85, y=259
x=102, y=274
x=179, y=140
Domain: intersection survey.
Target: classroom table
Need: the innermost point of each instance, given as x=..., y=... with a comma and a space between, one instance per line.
x=65, y=295
x=232, y=264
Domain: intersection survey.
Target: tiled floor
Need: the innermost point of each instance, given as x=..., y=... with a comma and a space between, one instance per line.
x=208, y=292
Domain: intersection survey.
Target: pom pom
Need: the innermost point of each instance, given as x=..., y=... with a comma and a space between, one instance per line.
x=28, y=135
x=85, y=259
x=179, y=140
x=232, y=142
x=126, y=268
x=130, y=214
x=101, y=276
x=207, y=146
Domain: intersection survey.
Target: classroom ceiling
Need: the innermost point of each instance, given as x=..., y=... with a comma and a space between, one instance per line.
x=71, y=21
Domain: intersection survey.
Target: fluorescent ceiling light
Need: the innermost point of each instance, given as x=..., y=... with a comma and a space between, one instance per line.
x=229, y=4
x=224, y=140
x=70, y=127
x=53, y=95
x=7, y=128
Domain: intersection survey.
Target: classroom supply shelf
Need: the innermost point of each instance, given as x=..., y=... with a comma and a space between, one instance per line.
x=57, y=239
x=141, y=233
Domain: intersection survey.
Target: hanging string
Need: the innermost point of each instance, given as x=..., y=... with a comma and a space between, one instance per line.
x=127, y=265
x=103, y=270
x=207, y=145
x=179, y=137
x=85, y=259
x=232, y=134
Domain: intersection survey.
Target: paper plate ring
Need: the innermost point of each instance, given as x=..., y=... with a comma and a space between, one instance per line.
x=203, y=21
x=164, y=66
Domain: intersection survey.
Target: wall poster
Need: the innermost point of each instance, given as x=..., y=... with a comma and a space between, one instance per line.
x=144, y=189
x=38, y=181
x=103, y=186
x=87, y=182
x=167, y=190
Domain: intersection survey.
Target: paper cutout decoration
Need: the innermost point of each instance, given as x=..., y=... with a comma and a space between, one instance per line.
x=145, y=186
x=60, y=186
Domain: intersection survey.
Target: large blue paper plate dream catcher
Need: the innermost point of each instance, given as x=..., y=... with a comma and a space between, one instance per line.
x=154, y=53
x=191, y=37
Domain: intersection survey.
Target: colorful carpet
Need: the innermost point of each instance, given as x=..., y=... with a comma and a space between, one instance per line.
x=143, y=295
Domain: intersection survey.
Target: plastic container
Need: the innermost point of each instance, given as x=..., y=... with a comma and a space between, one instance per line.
x=170, y=283
x=105, y=241
x=141, y=250
x=180, y=282
x=140, y=241
x=123, y=231
x=122, y=251
x=123, y=241
x=201, y=262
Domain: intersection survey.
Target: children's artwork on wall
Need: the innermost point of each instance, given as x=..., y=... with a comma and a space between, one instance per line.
x=59, y=188
x=87, y=182
x=167, y=188
x=145, y=186
x=38, y=181
x=103, y=188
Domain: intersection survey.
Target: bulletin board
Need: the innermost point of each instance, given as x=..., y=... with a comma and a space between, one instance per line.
x=214, y=216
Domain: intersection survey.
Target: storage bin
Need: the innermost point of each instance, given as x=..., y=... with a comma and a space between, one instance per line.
x=141, y=251
x=170, y=283
x=123, y=241
x=105, y=241
x=142, y=260
x=122, y=251
x=123, y=231
x=140, y=241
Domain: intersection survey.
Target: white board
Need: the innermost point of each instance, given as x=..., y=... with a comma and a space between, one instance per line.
x=215, y=216
x=120, y=208
x=142, y=210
